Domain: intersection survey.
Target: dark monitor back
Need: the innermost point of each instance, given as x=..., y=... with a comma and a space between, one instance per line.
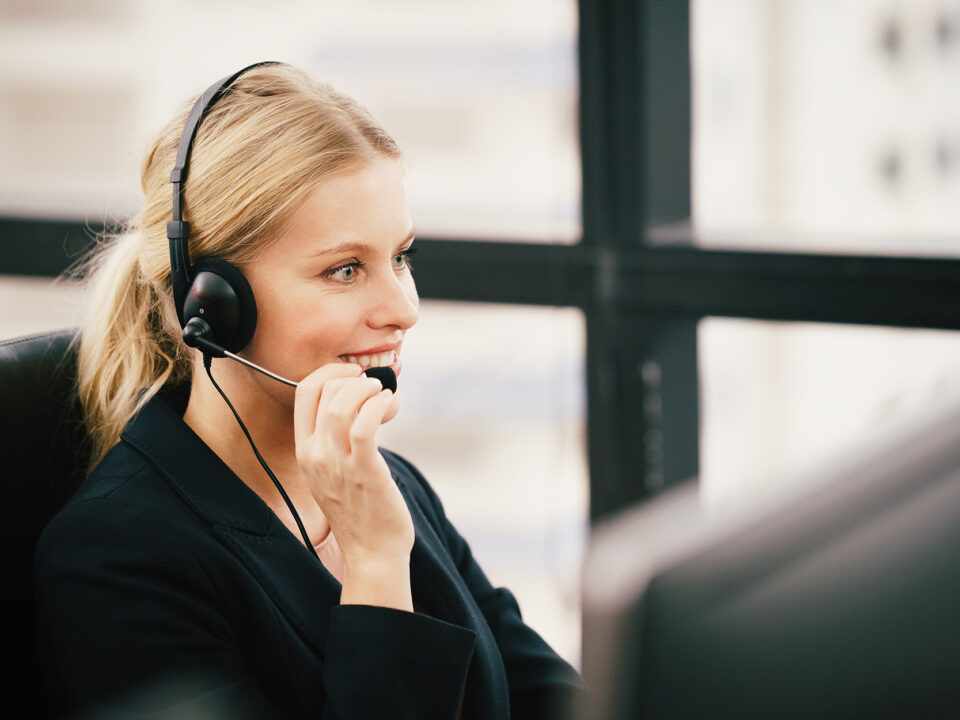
x=842, y=602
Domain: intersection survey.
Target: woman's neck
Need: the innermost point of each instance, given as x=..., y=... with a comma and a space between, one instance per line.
x=268, y=417
x=268, y=420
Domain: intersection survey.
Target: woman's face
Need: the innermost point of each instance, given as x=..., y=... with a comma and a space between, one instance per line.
x=336, y=285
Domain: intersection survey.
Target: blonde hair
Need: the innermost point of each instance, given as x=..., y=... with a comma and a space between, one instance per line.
x=273, y=136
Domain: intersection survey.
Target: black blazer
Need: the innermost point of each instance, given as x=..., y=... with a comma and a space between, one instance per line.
x=166, y=585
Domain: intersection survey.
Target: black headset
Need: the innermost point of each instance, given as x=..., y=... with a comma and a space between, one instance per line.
x=214, y=301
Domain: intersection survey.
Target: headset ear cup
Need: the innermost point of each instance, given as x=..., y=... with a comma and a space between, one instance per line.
x=247, y=311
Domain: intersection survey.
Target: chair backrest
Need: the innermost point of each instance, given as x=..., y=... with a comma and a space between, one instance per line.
x=45, y=449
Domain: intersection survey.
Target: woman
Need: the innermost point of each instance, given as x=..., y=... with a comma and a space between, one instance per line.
x=304, y=573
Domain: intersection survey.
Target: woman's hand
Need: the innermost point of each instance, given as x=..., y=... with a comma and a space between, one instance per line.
x=337, y=412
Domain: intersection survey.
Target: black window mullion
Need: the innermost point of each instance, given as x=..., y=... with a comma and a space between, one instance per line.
x=635, y=143
x=43, y=247
x=507, y=272
x=853, y=289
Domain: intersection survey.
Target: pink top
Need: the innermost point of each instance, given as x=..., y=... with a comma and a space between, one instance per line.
x=330, y=555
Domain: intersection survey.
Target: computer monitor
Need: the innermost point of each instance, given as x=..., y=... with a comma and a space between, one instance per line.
x=841, y=601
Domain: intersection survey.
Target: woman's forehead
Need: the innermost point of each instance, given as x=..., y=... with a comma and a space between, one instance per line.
x=367, y=207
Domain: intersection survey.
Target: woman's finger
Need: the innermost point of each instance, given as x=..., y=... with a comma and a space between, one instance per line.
x=363, y=431
x=309, y=392
x=338, y=410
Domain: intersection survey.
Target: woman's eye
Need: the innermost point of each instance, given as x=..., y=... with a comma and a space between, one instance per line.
x=402, y=259
x=344, y=273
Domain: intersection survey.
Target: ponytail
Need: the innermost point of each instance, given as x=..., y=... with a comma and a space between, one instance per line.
x=124, y=348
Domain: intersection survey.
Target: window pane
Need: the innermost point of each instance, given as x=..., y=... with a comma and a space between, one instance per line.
x=782, y=401
x=481, y=97
x=493, y=415
x=35, y=305
x=827, y=125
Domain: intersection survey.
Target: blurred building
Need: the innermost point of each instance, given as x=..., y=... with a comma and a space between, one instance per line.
x=821, y=126
x=827, y=124
x=481, y=98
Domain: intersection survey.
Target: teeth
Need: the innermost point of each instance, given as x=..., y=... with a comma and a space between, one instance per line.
x=376, y=360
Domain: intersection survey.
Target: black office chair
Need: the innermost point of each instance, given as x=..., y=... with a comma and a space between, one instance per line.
x=45, y=454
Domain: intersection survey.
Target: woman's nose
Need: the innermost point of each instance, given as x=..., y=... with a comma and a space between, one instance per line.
x=395, y=303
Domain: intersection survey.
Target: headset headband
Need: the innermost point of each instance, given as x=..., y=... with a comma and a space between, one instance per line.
x=178, y=231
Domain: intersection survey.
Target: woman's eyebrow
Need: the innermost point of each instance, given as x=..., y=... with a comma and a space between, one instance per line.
x=344, y=247
x=356, y=247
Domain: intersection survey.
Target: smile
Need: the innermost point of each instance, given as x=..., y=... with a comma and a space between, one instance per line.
x=384, y=359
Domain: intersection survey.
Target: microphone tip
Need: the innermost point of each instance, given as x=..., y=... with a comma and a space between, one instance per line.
x=386, y=376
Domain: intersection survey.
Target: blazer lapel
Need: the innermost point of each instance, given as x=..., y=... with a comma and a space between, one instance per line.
x=434, y=579
x=293, y=577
